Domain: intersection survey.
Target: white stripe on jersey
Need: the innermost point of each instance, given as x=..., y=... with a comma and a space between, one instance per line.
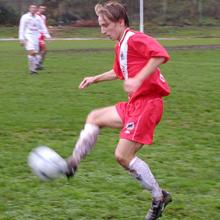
x=124, y=54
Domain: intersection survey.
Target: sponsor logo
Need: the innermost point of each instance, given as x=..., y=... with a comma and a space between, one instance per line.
x=129, y=127
x=122, y=56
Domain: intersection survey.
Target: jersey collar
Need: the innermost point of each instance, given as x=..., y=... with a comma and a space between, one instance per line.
x=123, y=36
x=30, y=14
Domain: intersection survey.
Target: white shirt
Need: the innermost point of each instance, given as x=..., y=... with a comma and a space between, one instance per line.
x=30, y=27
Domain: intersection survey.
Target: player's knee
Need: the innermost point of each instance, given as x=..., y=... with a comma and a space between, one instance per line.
x=92, y=117
x=121, y=159
x=43, y=51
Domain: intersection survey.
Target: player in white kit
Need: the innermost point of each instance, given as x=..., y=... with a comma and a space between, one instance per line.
x=29, y=31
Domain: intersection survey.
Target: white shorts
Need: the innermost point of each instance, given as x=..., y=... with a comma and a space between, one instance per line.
x=32, y=44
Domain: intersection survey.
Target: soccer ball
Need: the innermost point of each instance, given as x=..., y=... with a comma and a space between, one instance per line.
x=46, y=163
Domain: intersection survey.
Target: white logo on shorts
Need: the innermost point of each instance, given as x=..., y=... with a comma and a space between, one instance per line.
x=162, y=78
x=129, y=127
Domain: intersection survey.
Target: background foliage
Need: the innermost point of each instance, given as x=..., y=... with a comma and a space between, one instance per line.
x=163, y=12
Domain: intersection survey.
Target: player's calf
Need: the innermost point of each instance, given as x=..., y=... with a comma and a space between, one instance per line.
x=84, y=144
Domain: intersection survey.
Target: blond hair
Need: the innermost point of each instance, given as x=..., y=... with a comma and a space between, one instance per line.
x=113, y=10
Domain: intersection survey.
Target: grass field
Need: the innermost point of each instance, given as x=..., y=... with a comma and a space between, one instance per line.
x=156, y=31
x=48, y=109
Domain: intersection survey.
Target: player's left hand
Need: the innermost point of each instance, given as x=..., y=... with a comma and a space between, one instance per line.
x=48, y=36
x=131, y=85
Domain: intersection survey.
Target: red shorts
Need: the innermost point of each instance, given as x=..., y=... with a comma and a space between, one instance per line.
x=42, y=43
x=140, y=119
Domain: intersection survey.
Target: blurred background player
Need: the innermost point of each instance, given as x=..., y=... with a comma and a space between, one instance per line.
x=30, y=28
x=137, y=60
x=28, y=36
x=42, y=38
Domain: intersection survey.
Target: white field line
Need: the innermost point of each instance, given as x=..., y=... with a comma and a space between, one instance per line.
x=82, y=38
x=52, y=39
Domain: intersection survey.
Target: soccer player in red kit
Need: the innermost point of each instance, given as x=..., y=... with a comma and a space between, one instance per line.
x=42, y=38
x=137, y=60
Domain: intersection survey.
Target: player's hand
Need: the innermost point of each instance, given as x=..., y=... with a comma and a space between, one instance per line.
x=131, y=85
x=48, y=36
x=87, y=81
x=22, y=42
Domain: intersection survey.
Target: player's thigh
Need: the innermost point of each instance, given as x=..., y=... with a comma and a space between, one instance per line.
x=126, y=151
x=105, y=117
x=32, y=46
x=42, y=47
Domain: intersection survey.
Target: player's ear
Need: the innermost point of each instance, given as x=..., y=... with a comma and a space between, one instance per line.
x=97, y=9
x=121, y=22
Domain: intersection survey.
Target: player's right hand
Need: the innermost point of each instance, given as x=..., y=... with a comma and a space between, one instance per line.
x=87, y=81
x=22, y=42
x=131, y=85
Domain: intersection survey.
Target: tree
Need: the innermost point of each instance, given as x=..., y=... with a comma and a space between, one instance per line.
x=8, y=16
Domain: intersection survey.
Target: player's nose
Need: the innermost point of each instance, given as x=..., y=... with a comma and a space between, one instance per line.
x=103, y=31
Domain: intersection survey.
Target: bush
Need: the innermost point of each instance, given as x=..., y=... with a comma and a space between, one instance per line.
x=8, y=16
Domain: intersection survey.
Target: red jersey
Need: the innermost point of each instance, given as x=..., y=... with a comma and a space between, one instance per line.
x=43, y=17
x=132, y=53
x=44, y=20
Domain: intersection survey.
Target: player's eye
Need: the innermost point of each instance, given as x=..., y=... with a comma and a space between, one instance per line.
x=105, y=25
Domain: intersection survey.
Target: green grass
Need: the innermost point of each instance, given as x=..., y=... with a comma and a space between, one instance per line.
x=8, y=32
x=156, y=31
x=49, y=109
x=183, y=31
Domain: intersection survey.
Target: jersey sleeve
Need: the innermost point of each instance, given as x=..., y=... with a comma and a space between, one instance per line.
x=148, y=47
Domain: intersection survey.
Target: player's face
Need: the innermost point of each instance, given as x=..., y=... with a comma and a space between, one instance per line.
x=42, y=9
x=113, y=30
x=33, y=9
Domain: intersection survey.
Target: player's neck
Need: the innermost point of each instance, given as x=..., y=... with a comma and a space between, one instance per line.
x=123, y=33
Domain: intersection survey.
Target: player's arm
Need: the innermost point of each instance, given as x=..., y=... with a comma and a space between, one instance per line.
x=132, y=84
x=43, y=28
x=21, y=29
x=109, y=75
